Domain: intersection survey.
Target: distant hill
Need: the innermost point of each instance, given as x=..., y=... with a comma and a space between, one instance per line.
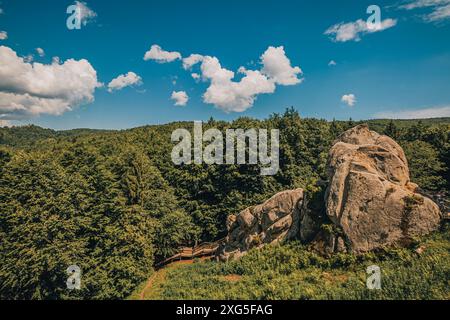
x=381, y=123
x=26, y=136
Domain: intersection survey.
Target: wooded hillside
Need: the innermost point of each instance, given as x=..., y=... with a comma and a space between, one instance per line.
x=112, y=202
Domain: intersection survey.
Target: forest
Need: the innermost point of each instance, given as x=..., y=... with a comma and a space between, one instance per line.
x=113, y=203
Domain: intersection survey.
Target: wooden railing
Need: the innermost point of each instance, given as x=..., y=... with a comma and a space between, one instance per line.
x=206, y=249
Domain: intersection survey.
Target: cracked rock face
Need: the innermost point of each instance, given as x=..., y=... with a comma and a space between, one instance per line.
x=275, y=220
x=370, y=202
x=370, y=197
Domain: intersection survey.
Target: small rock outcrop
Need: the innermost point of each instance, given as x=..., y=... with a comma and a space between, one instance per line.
x=275, y=220
x=370, y=198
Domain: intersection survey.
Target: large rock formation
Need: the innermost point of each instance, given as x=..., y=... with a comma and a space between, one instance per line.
x=370, y=203
x=370, y=197
x=275, y=220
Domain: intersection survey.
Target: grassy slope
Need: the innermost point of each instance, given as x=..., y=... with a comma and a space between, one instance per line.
x=136, y=295
x=290, y=271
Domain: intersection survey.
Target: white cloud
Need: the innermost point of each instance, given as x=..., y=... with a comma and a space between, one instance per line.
x=32, y=89
x=3, y=35
x=159, y=55
x=87, y=14
x=212, y=70
x=349, y=99
x=192, y=60
x=277, y=66
x=181, y=98
x=425, y=113
x=224, y=92
x=5, y=123
x=440, y=9
x=440, y=13
x=343, y=32
x=242, y=70
x=124, y=80
x=40, y=52
x=332, y=63
x=414, y=4
x=233, y=96
x=28, y=58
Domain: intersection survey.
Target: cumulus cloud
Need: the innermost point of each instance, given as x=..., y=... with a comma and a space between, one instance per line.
x=425, y=113
x=31, y=89
x=192, y=60
x=277, y=66
x=349, y=99
x=87, y=15
x=159, y=55
x=332, y=63
x=343, y=32
x=237, y=96
x=40, y=52
x=231, y=96
x=3, y=35
x=124, y=80
x=181, y=98
x=224, y=91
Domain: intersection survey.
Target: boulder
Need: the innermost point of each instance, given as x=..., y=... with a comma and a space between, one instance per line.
x=275, y=220
x=370, y=203
x=370, y=198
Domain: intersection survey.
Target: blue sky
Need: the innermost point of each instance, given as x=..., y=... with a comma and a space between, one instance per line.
x=400, y=71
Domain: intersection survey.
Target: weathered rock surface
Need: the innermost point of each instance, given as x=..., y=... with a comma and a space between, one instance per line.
x=370, y=197
x=370, y=203
x=275, y=220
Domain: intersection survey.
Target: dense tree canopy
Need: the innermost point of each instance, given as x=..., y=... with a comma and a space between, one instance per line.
x=112, y=202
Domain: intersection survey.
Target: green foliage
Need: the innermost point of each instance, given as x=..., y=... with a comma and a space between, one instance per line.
x=427, y=170
x=291, y=271
x=102, y=207
x=112, y=202
x=391, y=130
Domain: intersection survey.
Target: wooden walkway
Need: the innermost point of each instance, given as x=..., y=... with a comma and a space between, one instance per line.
x=203, y=250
